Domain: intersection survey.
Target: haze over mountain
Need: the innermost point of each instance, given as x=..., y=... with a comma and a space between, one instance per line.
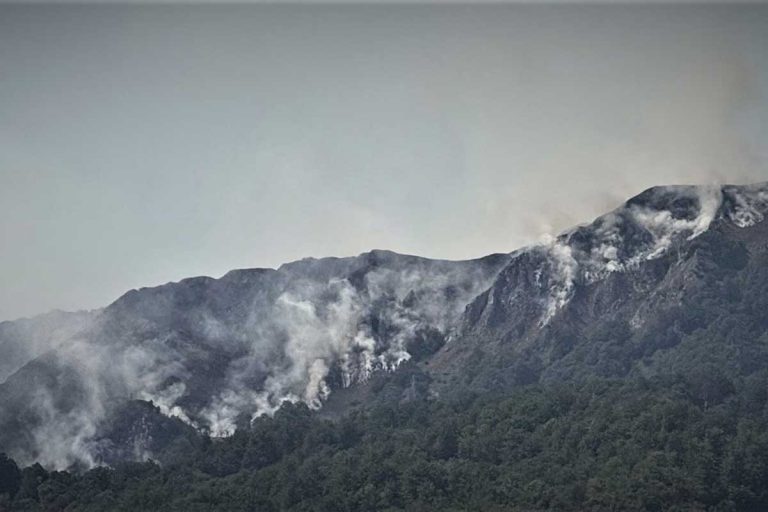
x=627, y=294
x=147, y=143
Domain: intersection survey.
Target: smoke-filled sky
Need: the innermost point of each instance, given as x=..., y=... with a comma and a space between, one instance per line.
x=143, y=144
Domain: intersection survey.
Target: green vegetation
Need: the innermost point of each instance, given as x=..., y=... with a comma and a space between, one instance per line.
x=694, y=442
x=592, y=415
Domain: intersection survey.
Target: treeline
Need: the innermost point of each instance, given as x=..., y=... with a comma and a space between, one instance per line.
x=695, y=442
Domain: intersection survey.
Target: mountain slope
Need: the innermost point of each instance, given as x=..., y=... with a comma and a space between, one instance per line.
x=23, y=340
x=674, y=278
x=213, y=352
x=619, y=295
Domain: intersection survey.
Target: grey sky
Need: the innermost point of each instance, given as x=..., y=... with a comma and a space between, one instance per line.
x=145, y=144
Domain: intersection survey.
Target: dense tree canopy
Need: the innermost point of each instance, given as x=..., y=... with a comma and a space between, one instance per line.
x=689, y=442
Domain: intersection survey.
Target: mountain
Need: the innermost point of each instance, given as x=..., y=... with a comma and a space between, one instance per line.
x=23, y=340
x=673, y=279
x=215, y=352
x=627, y=294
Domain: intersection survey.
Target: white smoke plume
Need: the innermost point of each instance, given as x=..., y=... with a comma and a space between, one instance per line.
x=314, y=326
x=214, y=353
x=634, y=233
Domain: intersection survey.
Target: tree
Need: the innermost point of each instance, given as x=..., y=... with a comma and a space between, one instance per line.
x=10, y=476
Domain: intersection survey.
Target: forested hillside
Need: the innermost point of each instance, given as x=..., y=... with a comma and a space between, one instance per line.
x=689, y=442
x=620, y=366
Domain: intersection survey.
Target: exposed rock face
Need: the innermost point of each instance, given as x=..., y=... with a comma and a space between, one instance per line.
x=635, y=275
x=611, y=298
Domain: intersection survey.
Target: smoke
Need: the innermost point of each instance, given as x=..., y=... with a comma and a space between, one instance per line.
x=166, y=400
x=643, y=229
x=564, y=274
x=664, y=227
x=69, y=382
x=62, y=440
x=23, y=340
x=217, y=353
x=689, y=109
x=512, y=120
x=68, y=413
x=316, y=327
x=750, y=203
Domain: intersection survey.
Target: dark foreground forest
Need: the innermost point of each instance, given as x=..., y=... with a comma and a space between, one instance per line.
x=693, y=442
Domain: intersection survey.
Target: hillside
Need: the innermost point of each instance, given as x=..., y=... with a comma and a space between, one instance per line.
x=667, y=288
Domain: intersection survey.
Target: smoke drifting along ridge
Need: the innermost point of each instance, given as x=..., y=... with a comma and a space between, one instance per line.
x=355, y=329
x=642, y=229
x=218, y=352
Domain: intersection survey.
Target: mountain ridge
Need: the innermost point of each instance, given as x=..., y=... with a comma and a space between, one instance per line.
x=217, y=352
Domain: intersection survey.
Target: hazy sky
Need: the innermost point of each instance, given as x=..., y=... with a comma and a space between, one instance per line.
x=143, y=144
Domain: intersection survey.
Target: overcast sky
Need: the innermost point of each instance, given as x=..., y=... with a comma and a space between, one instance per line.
x=140, y=145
